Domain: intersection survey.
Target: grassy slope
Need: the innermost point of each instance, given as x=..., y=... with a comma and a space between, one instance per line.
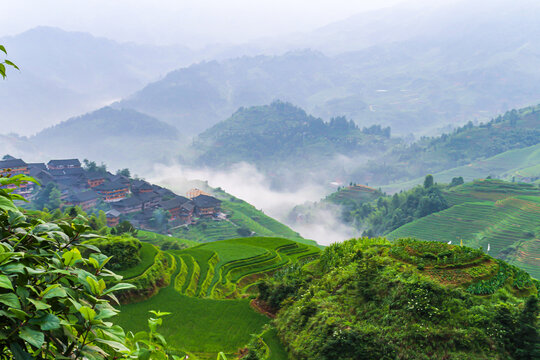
x=240, y=215
x=204, y=325
x=506, y=216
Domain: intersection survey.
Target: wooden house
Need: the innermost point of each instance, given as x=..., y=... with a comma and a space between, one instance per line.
x=95, y=179
x=206, y=205
x=86, y=200
x=113, y=217
x=112, y=191
x=63, y=164
x=128, y=205
x=174, y=206
x=12, y=167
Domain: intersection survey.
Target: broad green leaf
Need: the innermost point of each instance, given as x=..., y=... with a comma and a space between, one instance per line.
x=3, y=71
x=3, y=49
x=87, y=313
x=40, y=305
x=70, y=257
x=159, y=313
x=33, y=337
x=106, y=313
x=53, y=291
x=121, y=286
x=5, y=282
x=19, y=314
x=114, y=344
x=47, y=322
x=11, y=300
x=94, y=285
x=6, y=204
x=93, y=262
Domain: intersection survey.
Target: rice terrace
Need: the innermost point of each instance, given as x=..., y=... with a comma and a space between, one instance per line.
x=209, y=294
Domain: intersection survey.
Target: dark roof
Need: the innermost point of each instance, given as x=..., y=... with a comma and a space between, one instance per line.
x=129, y=202
x=110, y=186
x=11, y=164
x=67, y=172
x=119, y=178
x=204, y=201
x=189, y=206
x=141, y=185
x=40, y=166
x=94, y=175
x=148, y=196
x=162, y=191
x=177, y=202
x=64, y=162
x=83, y=196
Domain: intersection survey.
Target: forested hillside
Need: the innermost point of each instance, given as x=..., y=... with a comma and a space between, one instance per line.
x=372, y=299
x=284, y=141
x=470, y=146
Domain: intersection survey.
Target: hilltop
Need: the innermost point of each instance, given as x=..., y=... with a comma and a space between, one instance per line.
x=372, y=299
x=139, y=140
x=281, y=138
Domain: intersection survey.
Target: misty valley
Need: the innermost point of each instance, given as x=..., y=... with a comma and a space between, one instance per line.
x=326, y=181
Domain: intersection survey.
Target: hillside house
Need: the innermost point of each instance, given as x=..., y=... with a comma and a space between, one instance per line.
x=86, y=200
x=128, y=205
x=112, y=191
x=149, y=200
x=193, y=193
x=63, y=164
x=12, y=167
x=174, y=206
x=113, y=217
x=141, y=186
x=95, y=179
x=206, y=205
x=185, y=215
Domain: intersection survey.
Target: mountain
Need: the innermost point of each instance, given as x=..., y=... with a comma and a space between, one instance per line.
x=418, y=82
x=121, y=138
x=499, y=147
x=282, y=140
x=67, y=73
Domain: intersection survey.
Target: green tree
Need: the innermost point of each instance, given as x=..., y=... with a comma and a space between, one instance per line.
x=428, y=181
x=527, y=335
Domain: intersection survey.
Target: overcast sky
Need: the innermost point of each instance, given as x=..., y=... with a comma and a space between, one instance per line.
x=190, y=22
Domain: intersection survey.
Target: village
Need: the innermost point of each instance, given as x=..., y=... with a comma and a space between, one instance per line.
x=119, y=196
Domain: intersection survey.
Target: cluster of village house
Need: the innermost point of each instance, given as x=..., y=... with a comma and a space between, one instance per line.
x=121, y=195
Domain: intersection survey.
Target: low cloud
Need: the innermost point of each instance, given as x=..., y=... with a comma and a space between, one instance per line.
x=247, y=183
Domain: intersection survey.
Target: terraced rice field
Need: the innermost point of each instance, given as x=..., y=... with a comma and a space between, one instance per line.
x=489, y=190
x=503, y=224
x=357, y=193
x=225, y=269
x=207, y=296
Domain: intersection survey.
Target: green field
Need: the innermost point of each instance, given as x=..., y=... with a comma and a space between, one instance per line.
x=504, y=215
x=209, y=296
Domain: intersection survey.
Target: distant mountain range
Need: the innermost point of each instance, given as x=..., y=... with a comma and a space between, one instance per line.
x=432, y=67
x=68, y=73
x=120, y=138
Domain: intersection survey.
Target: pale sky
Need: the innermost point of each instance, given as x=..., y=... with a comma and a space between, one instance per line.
x=189, y=22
